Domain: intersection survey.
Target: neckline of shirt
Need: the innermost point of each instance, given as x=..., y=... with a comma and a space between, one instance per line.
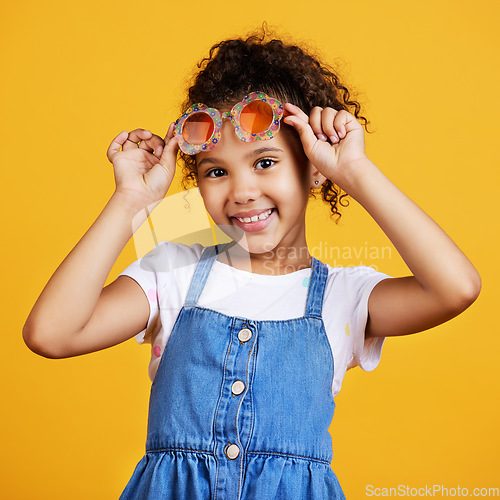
x=227, y=268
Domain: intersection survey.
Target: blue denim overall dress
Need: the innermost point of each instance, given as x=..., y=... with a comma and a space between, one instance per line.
x=240, y=409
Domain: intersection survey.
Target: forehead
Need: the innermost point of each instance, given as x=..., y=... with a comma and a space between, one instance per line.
x=286, y=142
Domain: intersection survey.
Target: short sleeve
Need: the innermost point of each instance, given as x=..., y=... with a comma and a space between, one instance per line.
x=366, y=352
x=146, y=278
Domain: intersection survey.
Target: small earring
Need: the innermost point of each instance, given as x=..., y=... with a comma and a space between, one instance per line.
x=316, y=182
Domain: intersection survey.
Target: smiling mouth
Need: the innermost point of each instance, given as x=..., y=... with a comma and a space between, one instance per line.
x=256, y=218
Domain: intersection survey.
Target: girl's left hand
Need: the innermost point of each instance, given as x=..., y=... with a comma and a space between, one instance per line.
x=332, y=140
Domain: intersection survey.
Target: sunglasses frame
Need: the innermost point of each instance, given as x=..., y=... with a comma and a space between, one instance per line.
x=234, y=115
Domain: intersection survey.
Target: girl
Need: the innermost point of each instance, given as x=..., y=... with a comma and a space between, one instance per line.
x=250, y=339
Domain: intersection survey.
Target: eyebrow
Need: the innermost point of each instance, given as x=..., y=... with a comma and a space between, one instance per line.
x=250, y=154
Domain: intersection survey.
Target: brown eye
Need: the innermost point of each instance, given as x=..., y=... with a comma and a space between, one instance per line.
x=210, y=172
x=265, y=163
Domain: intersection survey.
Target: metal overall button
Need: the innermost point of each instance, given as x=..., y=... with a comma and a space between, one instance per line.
x=232, y=451
x=245, y=335
x=238, y=387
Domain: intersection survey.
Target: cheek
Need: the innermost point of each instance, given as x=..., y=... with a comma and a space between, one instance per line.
x=297, y=181
x=211, y=200
x=205, y=194
x=290, y=195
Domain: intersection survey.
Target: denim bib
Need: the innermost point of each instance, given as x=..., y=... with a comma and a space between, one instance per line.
x=240, y=409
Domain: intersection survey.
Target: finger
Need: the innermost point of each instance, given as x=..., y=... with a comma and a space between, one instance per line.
x=169, y=155
x=291, y=109
x=327, y=121
x=168, y=136
x=164, y=170
x=135, y=137
x=153, y=145
x=170, y=132
x=306, y=134
x=316, y=124
x=116, y=145
x=341, y=122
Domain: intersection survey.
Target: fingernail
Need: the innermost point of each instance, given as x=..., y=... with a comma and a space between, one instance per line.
x=159, y=149
x=322, y=137
x=334, y=138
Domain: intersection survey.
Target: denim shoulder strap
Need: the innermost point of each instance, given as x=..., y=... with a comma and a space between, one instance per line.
x=316, y=291
x=201, y=272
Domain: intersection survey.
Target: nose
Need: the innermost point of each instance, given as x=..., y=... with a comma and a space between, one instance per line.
x=244, y=187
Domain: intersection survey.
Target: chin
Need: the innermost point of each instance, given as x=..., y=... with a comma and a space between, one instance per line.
x=257, y=247
x=253, y=243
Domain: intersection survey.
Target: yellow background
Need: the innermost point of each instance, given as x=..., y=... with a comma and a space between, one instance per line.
x=76, y=74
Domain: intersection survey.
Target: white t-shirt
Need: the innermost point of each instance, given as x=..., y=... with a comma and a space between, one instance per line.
x=166, y=273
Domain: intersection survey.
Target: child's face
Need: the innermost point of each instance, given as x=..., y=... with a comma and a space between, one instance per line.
x=245, y=179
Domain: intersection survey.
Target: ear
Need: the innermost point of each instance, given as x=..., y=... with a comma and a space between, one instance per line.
x=315, y=175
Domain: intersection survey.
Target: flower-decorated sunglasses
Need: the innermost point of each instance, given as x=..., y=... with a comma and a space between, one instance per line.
x=255, y=118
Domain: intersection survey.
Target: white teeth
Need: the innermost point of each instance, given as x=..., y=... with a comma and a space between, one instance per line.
x=265, y=215
x=255, y=218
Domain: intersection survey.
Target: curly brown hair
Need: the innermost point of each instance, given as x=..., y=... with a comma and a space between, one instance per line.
x=236, y=67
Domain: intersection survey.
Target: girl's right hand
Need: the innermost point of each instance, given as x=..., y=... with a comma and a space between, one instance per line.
x=142, y=173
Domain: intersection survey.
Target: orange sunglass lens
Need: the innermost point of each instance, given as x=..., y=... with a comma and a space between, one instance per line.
x=198, y=129
x=256, y=117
